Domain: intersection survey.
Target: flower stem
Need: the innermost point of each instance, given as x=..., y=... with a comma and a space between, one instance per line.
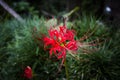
x=66, y=70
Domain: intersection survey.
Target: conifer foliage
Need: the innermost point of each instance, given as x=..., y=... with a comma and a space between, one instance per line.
x=29, y=52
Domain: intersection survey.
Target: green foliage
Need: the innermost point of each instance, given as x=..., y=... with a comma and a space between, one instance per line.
x=91, y=27
x=95, y=66
x=102, y=64
x=6, y=36
x=25, y=50
x=25, y=8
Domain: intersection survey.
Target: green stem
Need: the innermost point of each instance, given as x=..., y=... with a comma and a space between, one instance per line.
x=66, y=70
x=71, y=12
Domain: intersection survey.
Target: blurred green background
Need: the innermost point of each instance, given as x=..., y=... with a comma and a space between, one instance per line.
x=18, y=47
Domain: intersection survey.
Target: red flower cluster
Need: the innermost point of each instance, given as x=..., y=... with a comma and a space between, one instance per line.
x=28, y=72
x=59, y=41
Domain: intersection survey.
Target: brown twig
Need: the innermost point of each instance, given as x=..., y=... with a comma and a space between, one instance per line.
x=10, y=10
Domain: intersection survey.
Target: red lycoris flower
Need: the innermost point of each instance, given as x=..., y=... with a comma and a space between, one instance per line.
x=28, y=72
x=59, y=41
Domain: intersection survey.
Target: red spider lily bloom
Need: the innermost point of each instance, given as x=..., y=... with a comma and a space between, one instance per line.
x=28, y=72
x=59, y=41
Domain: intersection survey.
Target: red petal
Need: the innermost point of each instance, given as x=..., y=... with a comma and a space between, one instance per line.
x=62, y=29
x=62, y=55
x=69, y=35
x=72, y=45
x=28, y=72
x=48, y=41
